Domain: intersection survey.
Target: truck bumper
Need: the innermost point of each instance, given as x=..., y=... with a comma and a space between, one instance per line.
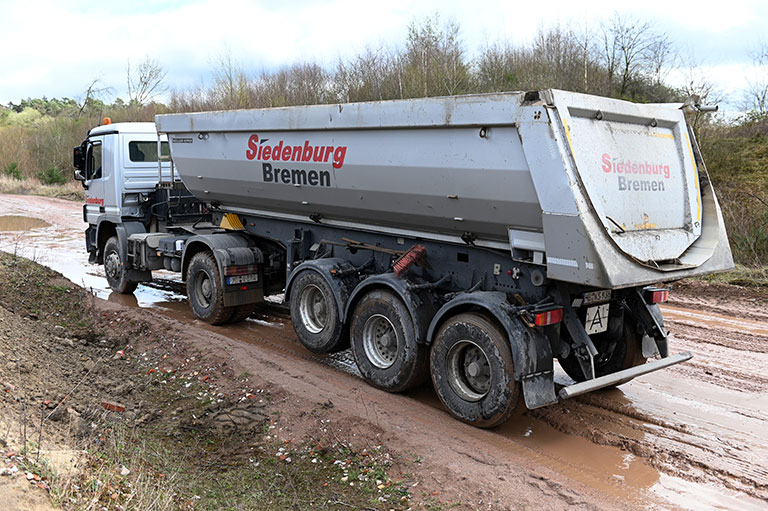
x=614, y=378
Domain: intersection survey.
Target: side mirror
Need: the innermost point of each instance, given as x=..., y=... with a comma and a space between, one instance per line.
x=78, y=160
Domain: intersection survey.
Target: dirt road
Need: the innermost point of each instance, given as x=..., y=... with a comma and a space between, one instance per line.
x=694, y=436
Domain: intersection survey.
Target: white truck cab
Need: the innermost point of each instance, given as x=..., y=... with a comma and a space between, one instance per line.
x=120, y=164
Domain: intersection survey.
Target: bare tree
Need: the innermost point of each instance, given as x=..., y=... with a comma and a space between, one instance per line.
x=756, y=94
x=433, y=62
x=631, y=49
x=92, y=92
x=697, y=82
x=145, y=82
x=231, y=87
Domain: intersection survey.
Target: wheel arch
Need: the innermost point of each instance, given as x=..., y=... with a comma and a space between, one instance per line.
x=340, y=286
x=106, y=228
x=420, y=304
x=227, y=249
x=531, y=351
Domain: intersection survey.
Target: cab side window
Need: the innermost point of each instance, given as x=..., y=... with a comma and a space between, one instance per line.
x=93, y=161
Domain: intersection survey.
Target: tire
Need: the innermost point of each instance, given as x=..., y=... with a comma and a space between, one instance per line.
x=205, y=292
x=384, y=343
x=315, y=314
x=614, y=354
x=114, y=268
x=242, y=312
x=473, y=371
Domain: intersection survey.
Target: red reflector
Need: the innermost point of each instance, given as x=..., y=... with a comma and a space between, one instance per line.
x=660, y=296
x=244, y=288
x=549, y=318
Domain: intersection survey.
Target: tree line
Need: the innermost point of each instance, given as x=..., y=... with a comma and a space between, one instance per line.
x=620, y=57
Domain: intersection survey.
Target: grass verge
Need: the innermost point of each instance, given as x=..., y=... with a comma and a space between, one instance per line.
x=174, y=441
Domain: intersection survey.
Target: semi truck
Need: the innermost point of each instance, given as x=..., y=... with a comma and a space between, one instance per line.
x=474, y=240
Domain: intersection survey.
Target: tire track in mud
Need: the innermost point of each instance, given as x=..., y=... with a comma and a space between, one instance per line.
x=714, y=431
x=704, y=421
x=689, y=450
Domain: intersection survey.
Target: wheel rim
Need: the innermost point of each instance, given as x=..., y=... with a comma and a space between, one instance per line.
x=203, y=289
x=469, y=372
x=380, y=341
x=313, y=309
x=112, y=265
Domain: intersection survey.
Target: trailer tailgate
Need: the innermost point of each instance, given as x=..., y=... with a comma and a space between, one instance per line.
x=636, y=169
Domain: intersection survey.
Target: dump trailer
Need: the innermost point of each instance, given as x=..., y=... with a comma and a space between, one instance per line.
x=474, y=239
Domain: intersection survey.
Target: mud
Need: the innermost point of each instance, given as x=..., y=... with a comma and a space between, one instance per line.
x=21, y=223
x=694, y=436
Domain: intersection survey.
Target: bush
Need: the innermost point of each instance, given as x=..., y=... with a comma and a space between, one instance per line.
x=12, y=171
x=51, y=176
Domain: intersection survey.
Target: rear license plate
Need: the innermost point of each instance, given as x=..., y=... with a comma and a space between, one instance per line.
x=242, y=279
x=597, y=319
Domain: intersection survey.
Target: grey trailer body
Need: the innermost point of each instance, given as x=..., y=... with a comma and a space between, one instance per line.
x=473, y=239
x=608, y=193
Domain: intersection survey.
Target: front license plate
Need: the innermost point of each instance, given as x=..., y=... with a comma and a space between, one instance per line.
x=242, y=279
x=597, y=319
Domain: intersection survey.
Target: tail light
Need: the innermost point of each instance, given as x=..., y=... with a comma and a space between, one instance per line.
x=551, y=317
x=656, y=295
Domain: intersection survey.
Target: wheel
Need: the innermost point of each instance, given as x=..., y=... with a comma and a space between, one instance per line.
x=384, y=343
x=114, y=268
x=616, y=351
x=242, y=312
x=472, y=371
x=205, y=291
x=315, y=314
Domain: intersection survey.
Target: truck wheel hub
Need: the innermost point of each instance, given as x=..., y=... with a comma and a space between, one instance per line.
x=313, y=309
x=469, y=372
x=112, y=265
x=380, y=341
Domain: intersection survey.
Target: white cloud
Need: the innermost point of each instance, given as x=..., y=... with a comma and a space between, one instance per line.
x=57, y=48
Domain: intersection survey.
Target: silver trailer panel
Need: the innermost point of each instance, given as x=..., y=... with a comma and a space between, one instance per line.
x=604, y=192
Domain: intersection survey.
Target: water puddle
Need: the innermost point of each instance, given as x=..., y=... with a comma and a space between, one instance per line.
x=21, y=223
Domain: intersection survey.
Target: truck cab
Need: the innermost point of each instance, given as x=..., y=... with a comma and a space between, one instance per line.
x=118, y=167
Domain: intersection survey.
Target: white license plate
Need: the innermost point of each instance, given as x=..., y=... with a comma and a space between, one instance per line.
x=242, y=279
x=597, y=319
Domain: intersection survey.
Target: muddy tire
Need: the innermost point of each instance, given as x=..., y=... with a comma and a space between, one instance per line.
x=626, y=352
x=114, y=268
x=472, y=371
x=242, y=312
x=384, y=343
x=205, y=292
x=315, y=314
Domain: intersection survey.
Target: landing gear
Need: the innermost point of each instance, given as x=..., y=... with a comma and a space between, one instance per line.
x=384, y=343
x=315, y=315
x=114, y=268
x=472, y=371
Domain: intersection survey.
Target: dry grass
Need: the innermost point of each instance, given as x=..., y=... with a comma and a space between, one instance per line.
x=71, y=190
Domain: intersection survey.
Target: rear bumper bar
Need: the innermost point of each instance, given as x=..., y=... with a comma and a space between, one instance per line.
x=614, y=378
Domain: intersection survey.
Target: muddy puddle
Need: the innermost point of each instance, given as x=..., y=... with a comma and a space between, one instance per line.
x=20, y=223
x=691, y=437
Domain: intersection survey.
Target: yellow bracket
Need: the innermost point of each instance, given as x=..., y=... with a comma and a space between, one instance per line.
x=231, y=222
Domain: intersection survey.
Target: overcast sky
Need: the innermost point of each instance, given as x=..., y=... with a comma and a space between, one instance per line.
x=55, y=48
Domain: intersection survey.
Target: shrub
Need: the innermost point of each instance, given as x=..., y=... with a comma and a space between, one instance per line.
x=51, y=176
x=12, y=171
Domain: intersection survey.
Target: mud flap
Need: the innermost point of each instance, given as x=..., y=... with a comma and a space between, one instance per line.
x=124, y=231
x=649, y=317
x=539, y=390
